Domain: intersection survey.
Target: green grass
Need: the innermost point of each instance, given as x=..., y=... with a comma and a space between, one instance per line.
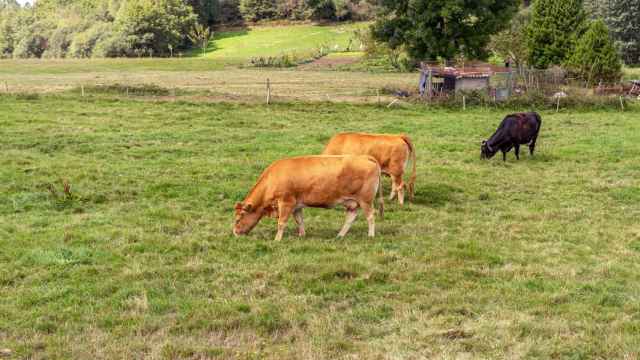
x=122, y=66
x=532, y=259
x=632, y=73
x=241, y=45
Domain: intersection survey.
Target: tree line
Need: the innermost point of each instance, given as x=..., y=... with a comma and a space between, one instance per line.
x=113, y=28
x=590, y=38
x=587, y=36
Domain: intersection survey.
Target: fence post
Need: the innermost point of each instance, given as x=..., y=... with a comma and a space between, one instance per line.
x=82, y=90
x=558, y=105
x=378, y=94
x=6, y=87
x=464, y=102
x=268, y=92
x=621, y=103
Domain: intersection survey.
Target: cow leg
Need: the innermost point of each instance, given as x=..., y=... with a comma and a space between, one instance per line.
x=297, y=215
x=517, y=150
x=393, y=188
x=370, y=213
x=397, y=188
x=504, y=156
x=532, y=146
x=284, y=211
x=352, y=213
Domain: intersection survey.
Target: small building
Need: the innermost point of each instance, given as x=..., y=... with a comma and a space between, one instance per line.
x=439, y=80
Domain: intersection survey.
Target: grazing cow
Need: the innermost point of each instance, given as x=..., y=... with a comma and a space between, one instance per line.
x=515, y=130
x=289, y=185
x=392, y=152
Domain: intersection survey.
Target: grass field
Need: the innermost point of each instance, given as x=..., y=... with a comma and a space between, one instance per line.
x=532, y=259
x=240, y=45
x=228, y=84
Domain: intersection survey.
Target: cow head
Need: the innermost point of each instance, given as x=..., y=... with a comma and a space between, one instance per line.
x=486, y=151
x=247, y=217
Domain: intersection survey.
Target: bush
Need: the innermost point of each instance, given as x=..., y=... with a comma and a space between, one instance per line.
x=83, y=43
x=112, y=44
x=576, y=99
x=7, y=33
x=31, y=45
x=596, y=58
x=59, y=42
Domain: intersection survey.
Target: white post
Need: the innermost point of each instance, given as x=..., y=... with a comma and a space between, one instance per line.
x=464, y=102
x=82, y=90
x=268, y=92
x=621, y=103
x=558, y=105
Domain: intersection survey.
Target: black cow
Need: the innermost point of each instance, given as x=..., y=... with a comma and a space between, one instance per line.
x=515, y=130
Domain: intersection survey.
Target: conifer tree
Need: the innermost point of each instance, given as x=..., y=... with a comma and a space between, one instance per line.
x=596, y=58
x=554, y=30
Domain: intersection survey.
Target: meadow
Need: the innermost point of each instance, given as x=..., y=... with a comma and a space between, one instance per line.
x=537, y=258
x=238, y=45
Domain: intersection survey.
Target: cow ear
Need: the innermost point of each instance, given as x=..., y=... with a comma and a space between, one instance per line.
x=484, y=142
x=247, y=208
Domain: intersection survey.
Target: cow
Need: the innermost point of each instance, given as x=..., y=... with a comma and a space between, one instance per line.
x=392, y=152
x=515, y=130
x=289, y=185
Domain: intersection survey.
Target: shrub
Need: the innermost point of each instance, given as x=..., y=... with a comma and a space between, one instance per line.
x=596, y=58
x=112, y=44
x=83, y=43
x=59, y=42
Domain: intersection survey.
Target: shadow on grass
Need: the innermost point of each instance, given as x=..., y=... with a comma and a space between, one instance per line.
x=435, y=195
x=225, y=34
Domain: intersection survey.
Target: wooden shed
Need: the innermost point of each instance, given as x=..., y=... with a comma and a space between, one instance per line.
x=437, y=80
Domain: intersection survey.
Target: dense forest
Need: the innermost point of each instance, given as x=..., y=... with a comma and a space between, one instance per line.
x=111, y=28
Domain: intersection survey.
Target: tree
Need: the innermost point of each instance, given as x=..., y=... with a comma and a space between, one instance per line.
x=201, y=35
x=255, y=10
x=623, y=20
x=595, y=58
x=207, y=10
x=511, y=42
x=229, y=12
x=7, y=32
x=431, y=29
x=151, y=25
x=553, y=31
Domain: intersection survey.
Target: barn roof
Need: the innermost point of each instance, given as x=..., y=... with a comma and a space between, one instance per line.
x=469, y=71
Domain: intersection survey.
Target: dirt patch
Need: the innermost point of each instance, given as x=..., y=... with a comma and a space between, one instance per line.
x=329, y=62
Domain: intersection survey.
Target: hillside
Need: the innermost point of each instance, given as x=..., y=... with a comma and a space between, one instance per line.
x=241, y=45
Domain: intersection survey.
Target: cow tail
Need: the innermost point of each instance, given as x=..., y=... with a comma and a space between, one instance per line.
x=380, y=194
x=412, y=180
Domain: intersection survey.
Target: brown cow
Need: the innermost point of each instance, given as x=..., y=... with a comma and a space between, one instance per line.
x=289, y=185
x=392, y=152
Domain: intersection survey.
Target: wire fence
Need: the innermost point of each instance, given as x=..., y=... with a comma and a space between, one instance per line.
x=287, y=86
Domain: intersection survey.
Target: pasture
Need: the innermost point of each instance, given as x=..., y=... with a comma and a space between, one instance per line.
x=532, y=259
x=241, y=44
